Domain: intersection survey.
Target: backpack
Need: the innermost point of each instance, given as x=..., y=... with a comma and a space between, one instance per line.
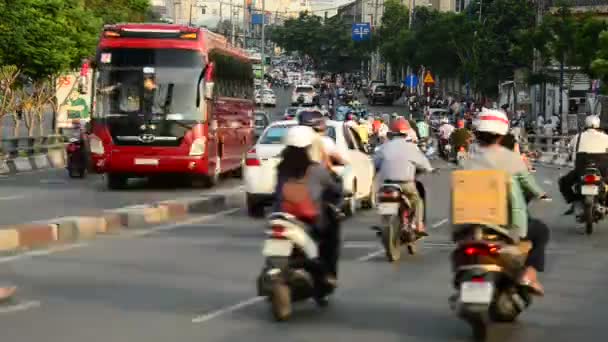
x=297, y=201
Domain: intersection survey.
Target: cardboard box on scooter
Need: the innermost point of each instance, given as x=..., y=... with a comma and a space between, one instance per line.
x=480, y=197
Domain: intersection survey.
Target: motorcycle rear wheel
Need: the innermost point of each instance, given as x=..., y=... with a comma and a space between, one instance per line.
x=280, y=301
x=589, y=219
x=391, y=239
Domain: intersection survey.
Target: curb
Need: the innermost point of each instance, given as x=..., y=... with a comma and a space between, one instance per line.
x=78, y=228
x=54, y=159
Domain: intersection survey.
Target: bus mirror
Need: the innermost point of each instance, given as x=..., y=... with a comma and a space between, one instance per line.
x=209, y=90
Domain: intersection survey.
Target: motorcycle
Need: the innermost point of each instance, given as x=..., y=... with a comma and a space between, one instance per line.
x=396, y=214
x=446, y=149
x=593, y=189
x=76, y=158
x=461, y=155
x=487, y=264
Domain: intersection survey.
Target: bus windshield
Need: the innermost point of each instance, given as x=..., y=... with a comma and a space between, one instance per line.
x=161, y=83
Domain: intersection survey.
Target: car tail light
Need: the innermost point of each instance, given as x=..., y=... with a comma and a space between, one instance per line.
x=591, y=179
x=198, y=147
x=481, y=250
x=277, y=232
x=252, y=158
x=95, y=144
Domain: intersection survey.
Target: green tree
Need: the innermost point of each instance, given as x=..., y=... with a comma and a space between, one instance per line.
x=116, y=11
x=46, y=37
x=600, y=63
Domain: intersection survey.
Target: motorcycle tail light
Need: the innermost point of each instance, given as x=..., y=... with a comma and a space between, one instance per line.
x=277, y=232
x=591, y=179
x=481, y=250
x=389, y=194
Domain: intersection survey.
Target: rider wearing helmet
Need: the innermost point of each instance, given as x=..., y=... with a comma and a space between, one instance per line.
x=445, y=131
x=461, y=137
x=324, y=149
x=397, y=161
x=363, y=130
x=304, y=189
x=492, y=127
x=591, y=141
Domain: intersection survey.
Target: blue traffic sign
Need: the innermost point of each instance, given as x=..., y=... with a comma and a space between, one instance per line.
x=411, y=81
x=361, y=32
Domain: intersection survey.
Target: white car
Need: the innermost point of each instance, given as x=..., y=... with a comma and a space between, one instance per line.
x=261, y=162
x=266, y=97
x=306, y=92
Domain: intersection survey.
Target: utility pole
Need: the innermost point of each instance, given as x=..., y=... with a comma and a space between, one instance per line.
x=232, y=22
x=375, y=62
x=245, y=30
x=538, y=91
x=263, y=49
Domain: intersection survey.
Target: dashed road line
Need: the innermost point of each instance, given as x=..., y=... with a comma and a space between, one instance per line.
x=19, y=307
x=226, y=310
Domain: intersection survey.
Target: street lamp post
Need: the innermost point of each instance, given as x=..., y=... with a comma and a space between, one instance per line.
x=263, y=49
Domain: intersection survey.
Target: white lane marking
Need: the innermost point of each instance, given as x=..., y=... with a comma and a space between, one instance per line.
x=440, y=223
x=8, y=198
x=53, y=181
x=232, y=308
x=371, y=255
x=548, y=182
x=63, y=248
x=19, y=307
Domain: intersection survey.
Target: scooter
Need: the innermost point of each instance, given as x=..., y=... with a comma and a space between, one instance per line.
x=396, y=214
x=487, y=264
x=76, y=158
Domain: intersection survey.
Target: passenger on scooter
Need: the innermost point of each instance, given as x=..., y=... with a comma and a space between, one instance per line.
x=397, y=161
x=324, y=150
x=492, y=127
x=304, y=188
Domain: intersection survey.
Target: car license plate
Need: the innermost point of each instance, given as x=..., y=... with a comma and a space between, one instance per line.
x=275, y=247
x=589, y=190
x=139, y=161
x=388, y=208
x=476, y=292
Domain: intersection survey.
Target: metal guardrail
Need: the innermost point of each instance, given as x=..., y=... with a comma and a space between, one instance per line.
x=27, y=146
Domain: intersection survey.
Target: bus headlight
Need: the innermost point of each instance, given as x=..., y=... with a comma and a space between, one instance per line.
x=95, y=144
x=198, y=147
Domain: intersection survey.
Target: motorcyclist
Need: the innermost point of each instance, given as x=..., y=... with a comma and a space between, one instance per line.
x=591, y=141
x=423, y=128
x=445, y=131
x=363, y=130
x=311, y=207
x=492, y=127
x=397, y=161
x=323, y=150
x=461, y=137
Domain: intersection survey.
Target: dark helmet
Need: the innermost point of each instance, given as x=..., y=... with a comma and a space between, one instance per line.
x=311, y=118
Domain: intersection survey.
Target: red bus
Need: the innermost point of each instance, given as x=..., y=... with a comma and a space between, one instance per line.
x=169, y=99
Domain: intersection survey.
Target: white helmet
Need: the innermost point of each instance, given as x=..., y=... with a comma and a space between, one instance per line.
x=493, y=121
x=299, y=136
x=592, y=121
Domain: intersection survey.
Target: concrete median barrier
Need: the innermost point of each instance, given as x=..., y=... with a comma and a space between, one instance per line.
x=74, y=228
x=34, y=235
x=9, y=240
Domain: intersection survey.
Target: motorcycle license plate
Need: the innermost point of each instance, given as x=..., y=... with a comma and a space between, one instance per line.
x=589, y=190
x=388, y=208
x=476, y=292
x=277, y=248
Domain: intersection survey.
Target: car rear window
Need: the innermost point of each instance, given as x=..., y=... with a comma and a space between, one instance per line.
x=274, y=135
x=381, y=88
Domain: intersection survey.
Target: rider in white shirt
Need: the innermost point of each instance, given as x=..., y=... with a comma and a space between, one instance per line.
x=592, y=141
x=446, y=129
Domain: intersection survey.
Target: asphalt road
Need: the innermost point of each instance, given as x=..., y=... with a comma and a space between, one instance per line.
x=195, y=281
x=48, y=194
